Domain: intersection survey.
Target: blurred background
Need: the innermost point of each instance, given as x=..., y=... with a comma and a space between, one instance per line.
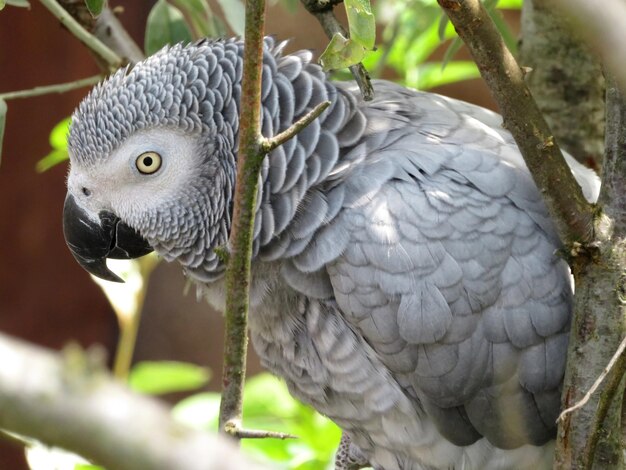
x=45, y=297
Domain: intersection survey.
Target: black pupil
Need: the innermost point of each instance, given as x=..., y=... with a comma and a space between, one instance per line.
x=147, y=161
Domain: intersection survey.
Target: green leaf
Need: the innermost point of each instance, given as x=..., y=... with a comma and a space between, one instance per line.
x=490, y=4
x=2, y=4
x=157, y=377
x=95, y=6
x=443, y=25
x=166, y=25
x=58, y=142
x=52, y=159
x=258, y=389
x=452, y=49
x=3, y=119
x=341, y=53
x=431, y=74
x=234, y=13
x=201, y=19
x=510, y=4
x=425, y=44
x=268, y=405
x=200, y=411
x=18, y=3
x=59, y=133
x=361, y=22
x=81, y=466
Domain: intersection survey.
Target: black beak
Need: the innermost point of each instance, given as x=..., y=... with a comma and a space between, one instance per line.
x=92, y=243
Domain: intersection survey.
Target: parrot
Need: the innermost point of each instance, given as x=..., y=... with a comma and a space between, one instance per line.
x=407, y=280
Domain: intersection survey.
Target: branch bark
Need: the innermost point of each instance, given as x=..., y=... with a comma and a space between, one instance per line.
x=566, y=80
x=572, y=214
x=240, y=242
x=590, y=437
x=602, y=24
x=49, y=89
x=252, y=150
x=112, y=60
x=107, y=29
x=73, y=403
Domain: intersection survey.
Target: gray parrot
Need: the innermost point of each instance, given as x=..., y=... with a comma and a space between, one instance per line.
x=406, y=281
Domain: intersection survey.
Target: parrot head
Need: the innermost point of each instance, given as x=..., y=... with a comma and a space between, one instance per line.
x=152, y=153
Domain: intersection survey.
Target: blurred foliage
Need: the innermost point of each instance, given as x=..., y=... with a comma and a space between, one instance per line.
x=200, y=18
x=159, y=377
x=268, y=405
x=166, y=25
x=58, y=142
x=415, y=30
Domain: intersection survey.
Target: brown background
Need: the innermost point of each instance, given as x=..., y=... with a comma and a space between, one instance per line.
x=45, y=297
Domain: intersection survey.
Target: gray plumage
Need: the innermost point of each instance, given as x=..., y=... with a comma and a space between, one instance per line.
x=405, y=280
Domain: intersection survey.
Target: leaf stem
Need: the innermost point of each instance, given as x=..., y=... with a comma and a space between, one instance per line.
x=330, y=25
x=48, y=89
x=111, y=58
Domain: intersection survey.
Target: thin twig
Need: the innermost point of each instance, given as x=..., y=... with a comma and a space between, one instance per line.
x=596, y=384
x=234, y=430
x=270, y=144
x=112, y=59
x=48, y=89
x=14, y=439
x=571, y=213
x=323, y=11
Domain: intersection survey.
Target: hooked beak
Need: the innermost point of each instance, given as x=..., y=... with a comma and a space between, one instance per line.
x=91, y=243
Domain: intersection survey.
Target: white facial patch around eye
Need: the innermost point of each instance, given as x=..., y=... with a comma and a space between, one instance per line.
x=140, y=190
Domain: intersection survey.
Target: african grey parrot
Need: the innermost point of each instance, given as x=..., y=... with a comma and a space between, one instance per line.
x=405, y=276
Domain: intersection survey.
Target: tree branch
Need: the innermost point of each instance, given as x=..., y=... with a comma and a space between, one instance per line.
x=239, y=433
x=566, y=80
x=107, y=28
x=253, y=148
x=572, y=214
x=111, y=58
x=74, y=404
x=48, y=89
x=322, y=10
x=111, y=32
x=602, y=24
x=592, y=435
x=246, y=188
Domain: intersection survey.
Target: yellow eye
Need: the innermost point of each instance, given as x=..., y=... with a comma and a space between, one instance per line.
x=148, y=163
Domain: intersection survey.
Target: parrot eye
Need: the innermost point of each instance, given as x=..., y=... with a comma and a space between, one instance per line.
x=148, y=163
